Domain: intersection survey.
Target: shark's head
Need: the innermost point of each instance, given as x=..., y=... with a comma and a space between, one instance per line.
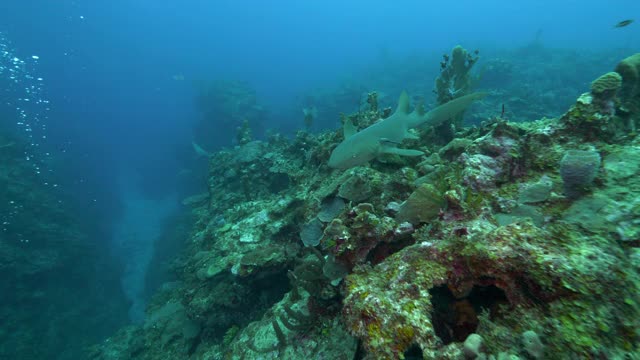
x=350, y=153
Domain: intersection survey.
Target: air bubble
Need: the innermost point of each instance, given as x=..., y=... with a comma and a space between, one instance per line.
x=23, y=92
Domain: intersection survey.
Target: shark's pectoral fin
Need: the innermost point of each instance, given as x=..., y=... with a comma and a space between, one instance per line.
x=388, y=142
x=411, y=135
x=401, y=152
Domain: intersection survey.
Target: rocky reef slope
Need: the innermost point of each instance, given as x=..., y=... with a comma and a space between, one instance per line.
x=512, y=241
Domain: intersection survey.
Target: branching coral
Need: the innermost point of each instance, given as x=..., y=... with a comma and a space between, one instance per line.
x=455, y=80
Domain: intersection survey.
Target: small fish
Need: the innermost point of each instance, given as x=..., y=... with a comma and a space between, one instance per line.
x=200, y=151
x=623, y=23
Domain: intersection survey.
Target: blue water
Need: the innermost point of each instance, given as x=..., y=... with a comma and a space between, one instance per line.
x=112, y=85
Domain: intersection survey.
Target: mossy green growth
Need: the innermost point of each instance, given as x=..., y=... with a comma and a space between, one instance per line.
x=580, y=327
x=229, y=335
x=224, y=228
x=394, y=293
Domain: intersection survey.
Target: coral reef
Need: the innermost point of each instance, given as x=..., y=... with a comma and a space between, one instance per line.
x=526, y=83
x=610, y=111
x=476, y=249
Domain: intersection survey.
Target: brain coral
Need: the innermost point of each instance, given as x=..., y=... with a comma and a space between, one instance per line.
x=606, y=85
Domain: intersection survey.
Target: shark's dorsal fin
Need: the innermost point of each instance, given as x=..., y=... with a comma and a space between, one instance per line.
x=348, y=129
x=403, y=103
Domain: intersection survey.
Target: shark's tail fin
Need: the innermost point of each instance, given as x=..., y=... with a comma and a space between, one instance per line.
x=447, y=110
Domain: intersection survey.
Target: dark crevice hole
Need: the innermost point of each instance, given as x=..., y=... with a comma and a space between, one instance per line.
x=456, y=318
x=383, y=250
x=413, y=353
